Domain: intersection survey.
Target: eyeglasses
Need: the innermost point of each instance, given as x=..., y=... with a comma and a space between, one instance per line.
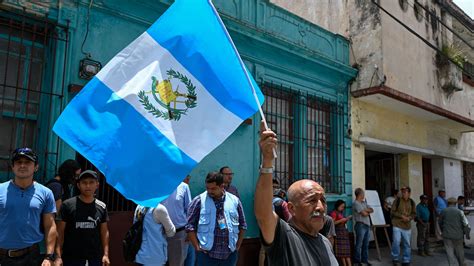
x=228, y=173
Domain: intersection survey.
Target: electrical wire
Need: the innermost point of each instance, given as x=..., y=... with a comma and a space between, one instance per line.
x=87, y=54
x=435, y=16
x=421, y=38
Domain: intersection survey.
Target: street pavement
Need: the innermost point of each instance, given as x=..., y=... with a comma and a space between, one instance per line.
x=438, y=257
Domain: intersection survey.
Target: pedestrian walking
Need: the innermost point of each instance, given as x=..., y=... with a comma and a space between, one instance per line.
x=453, y=225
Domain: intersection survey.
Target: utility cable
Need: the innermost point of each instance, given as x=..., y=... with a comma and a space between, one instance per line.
x=87, y=54
x=421, y=38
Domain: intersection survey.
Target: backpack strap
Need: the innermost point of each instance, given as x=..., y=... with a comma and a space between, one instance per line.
x=140, y=215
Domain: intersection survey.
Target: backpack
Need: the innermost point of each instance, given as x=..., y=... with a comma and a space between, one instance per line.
x=132, y=241
x=397, y=204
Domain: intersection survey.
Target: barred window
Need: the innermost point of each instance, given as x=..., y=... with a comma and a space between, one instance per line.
x=29, y=55
x=310, y=137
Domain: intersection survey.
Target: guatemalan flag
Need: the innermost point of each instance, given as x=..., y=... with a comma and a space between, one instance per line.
x=162, y=104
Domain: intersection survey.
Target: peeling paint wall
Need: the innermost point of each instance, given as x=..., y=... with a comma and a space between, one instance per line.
x=331, y=15
x=380, y=123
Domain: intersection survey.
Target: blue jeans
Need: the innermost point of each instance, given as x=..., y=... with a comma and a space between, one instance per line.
x=191, y=257
x=403, y=236
x=362, y=243
x=203, y=259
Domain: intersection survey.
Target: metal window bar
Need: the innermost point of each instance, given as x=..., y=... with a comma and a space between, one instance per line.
x=468, y=173
x=310, y=137
x=28, y=52
x=106, y=193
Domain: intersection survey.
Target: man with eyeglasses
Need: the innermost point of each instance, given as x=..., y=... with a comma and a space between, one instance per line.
x=25, y=205
x=228, y=175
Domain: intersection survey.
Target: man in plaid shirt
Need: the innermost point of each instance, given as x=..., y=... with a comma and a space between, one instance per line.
x=216, y=224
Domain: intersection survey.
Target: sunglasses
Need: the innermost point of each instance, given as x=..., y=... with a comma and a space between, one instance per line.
x=25, y=151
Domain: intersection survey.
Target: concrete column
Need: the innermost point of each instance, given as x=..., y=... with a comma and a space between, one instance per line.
x=411, y=174
x=358, y=166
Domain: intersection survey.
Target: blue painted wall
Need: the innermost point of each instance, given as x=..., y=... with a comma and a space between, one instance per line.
x=276, y=45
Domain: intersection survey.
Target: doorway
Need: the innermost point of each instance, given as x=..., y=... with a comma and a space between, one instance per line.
x=380, y=172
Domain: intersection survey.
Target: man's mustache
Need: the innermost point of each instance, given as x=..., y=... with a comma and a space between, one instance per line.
x=317, y=214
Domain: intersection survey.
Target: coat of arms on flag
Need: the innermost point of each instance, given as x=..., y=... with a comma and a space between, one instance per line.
x=165, y=102
x=176, y=103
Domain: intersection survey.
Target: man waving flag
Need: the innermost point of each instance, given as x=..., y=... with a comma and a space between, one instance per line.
x=162, y=104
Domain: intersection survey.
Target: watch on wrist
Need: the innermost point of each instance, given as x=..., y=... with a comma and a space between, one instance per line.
x=50, y=257
x=266, y=170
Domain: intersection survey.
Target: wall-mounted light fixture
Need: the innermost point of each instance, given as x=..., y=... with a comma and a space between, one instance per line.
x=88, y=68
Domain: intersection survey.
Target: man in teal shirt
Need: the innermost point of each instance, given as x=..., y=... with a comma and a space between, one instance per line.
x=423, y=226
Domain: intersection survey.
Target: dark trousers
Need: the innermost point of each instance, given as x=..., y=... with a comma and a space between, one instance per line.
x=32, y=258
x=423, y=231
x=203, y=259
x=93, y=262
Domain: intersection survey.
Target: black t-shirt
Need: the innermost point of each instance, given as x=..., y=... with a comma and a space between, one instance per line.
x=293, y=247
x=82, y=232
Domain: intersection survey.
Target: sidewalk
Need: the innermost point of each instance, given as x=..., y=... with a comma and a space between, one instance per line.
x=438, y=255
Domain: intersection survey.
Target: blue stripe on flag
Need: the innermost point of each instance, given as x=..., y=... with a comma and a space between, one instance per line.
x=192, y=33
x=123, y=145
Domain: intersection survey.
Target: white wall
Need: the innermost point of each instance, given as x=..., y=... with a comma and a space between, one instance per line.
x=453, y=178
x=437, y=173
x=449, y=173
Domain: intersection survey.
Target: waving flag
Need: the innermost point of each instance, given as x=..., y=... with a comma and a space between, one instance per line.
x=162, y=104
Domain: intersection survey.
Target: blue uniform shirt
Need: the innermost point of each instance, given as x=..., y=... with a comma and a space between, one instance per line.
x=440, y=204
x=20, y=214
x=177, y=205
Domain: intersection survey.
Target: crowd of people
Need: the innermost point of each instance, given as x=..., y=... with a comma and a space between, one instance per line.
x=296, y=227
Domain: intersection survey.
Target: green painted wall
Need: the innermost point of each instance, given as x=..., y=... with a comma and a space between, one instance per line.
x=276, y=45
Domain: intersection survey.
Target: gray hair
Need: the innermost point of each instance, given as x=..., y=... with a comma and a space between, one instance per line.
x=358, y=191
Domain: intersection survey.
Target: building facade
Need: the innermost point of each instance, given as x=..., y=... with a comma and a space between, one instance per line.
x=49, y=51
x=412, y=112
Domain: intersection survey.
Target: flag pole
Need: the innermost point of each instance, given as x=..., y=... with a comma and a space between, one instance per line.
x=242, y=65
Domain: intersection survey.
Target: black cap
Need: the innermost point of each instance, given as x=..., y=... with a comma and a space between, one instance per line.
x=88, y=173
x=422, y=197
x=26, y=153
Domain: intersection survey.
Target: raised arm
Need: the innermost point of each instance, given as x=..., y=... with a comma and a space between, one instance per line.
x=266, y=218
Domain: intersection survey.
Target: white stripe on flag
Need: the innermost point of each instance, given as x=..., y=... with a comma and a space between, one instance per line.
x=131, y=70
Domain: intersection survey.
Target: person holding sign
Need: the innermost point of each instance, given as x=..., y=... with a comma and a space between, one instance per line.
x=403, y=212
